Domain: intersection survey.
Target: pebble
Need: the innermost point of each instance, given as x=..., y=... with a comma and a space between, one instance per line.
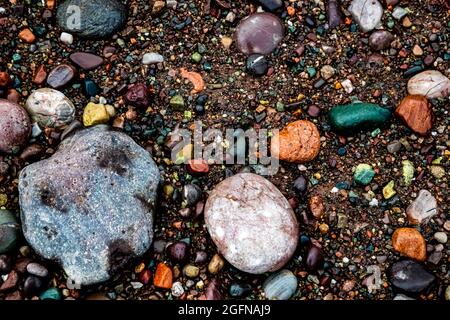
x=240, y=290
x=410, y=276
x=212, y=291
x=238, y=220
x=316, y=206
x=437, y=171
x=50, y=108
x=27, y=36
x=9, y=231
x=177, y=289
x=347, y=85
x=5, y=80
x=61, y=75
x=408, y=172
x=152, y=58
x=334, y=14
x=441, y=237
x=300, y=185
x=163, y=276
x=399, y=12
x=191, y=271
x=216, y=264
x=93, y=170
x=351, y=118
x=280, y=286
x=177, y=103
x=394, y=147
x=95, y=114
x=37, y=270
x=197, y=167
x=388, y=190
x=10, y=283
x=380, y=40
x=178, y=251
x=40, y=76
x=410, y=243
x=98, y=18
x=191, y=194
x=66, y=38
x=363, y=174
x=327, y=72
x=429, y=83
x=447, y=225
x=271, y=5
x=259, y=33
x=32, y=286
x=298, y=142
x=86, y=60
x=415, y=111
x=447, y=293
x=137, y=95
x=51, y=294
x=15, y=126
x=257, y=65
x=314, y=258
x=423, y=208
x=195, y=78
x=366, y=13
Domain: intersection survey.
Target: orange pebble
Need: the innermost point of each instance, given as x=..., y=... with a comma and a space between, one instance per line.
x=51, y=4
x=163, y=277
x=290, y=11
x=27, y=36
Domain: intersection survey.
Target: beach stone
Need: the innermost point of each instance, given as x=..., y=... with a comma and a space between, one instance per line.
x=95, y=19
x=416, y=112
x=5, y=80
x=163, y=276
x=95, y=113
x=298, y=142
x=271, y=5
x=423, y=208
x=363, y=174
x=410, y=243
x=410, y=277
x=380, y=40
x=86, y=60
x=429, y=83
x=257, y=65
x=90, y=205
x=50, y=108
x=9, y=231
x=15, y=126
x=351, y=118
x=137, y=95
x=152, y=58
x=366, y=13
x=239, y=214
x=280, y=286
x=259, y=33
x=334, y=14
x=61, y=75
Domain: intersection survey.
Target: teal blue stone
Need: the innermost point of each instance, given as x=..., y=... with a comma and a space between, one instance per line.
x=311, y=72
x=51, y=294
x=363, y=174
x=350, y=118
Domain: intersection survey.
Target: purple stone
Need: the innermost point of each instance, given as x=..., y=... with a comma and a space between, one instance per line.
x=259, y=33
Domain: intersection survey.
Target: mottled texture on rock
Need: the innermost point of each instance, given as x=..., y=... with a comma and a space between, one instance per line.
x=410, y=277
x=86, y=60
x=430, y=83
x=298, y=142
x=280, y=286
x=61, y=75
x=252, y=224
x=416, y=113
x=410, y=243
x=259, y=33
x=15, y=126
x=422, y=208
x=50, y=108
x=90, y=205
x=380, y=40
x=334, y=13
x=91, y=18
x=367, y=13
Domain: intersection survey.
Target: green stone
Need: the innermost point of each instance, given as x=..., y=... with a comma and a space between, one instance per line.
x=51, y=294
x=363, y=174
x=408, y=172
x=357, y=116
x=9, y=231
x=177, y=102
x=311, y=71
x=196, y=57
x=388, y=190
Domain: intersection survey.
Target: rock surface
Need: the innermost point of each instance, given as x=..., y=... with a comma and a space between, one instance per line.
x=416, y=113
x=91, y=18
x=430, y=83
x=9, y=231
x=50, y=108
x=422, y=208
x=410, y=277
x=15, y=126
x=90, y=205
x=259, y=33
x=380, y=40
x=298, y=142
x=239, y=214
x=410, y=243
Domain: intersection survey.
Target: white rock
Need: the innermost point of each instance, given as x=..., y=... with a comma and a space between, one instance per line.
x=50, y=108
x=252, y=223
x=327, y=72
x=152, y=57
x=430, y=83
x=422, y=208
x=66, y=38
x=399, y=13
x=367, y=13
x=441, y=237
x=177, y=289
x=347, y=85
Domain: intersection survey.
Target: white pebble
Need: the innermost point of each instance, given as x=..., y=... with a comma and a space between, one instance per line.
x=66, y=38
x=373, y=203
x=441, y=237
x=177, y=289
x=152, y=57
x=347, y=85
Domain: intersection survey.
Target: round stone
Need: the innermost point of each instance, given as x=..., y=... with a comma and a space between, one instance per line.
x=298, y=142
x=61, y=75
x=380, y=40
x=137, y=95
x=410, y=243
x=280, y=286
x=257, y=65
x=178, y=251
x=259, y=33
x=15, y=126
x=430, y=83
x=239, y=214
x=50, y=108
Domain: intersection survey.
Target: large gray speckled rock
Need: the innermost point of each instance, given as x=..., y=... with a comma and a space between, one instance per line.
x=91, y=18
x=252, y=223
x=90, y=206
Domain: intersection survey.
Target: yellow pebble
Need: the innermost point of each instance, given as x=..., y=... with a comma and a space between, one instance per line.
x=95, y=114
x=139, y=268
x=338, y=86
x=388, y=190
